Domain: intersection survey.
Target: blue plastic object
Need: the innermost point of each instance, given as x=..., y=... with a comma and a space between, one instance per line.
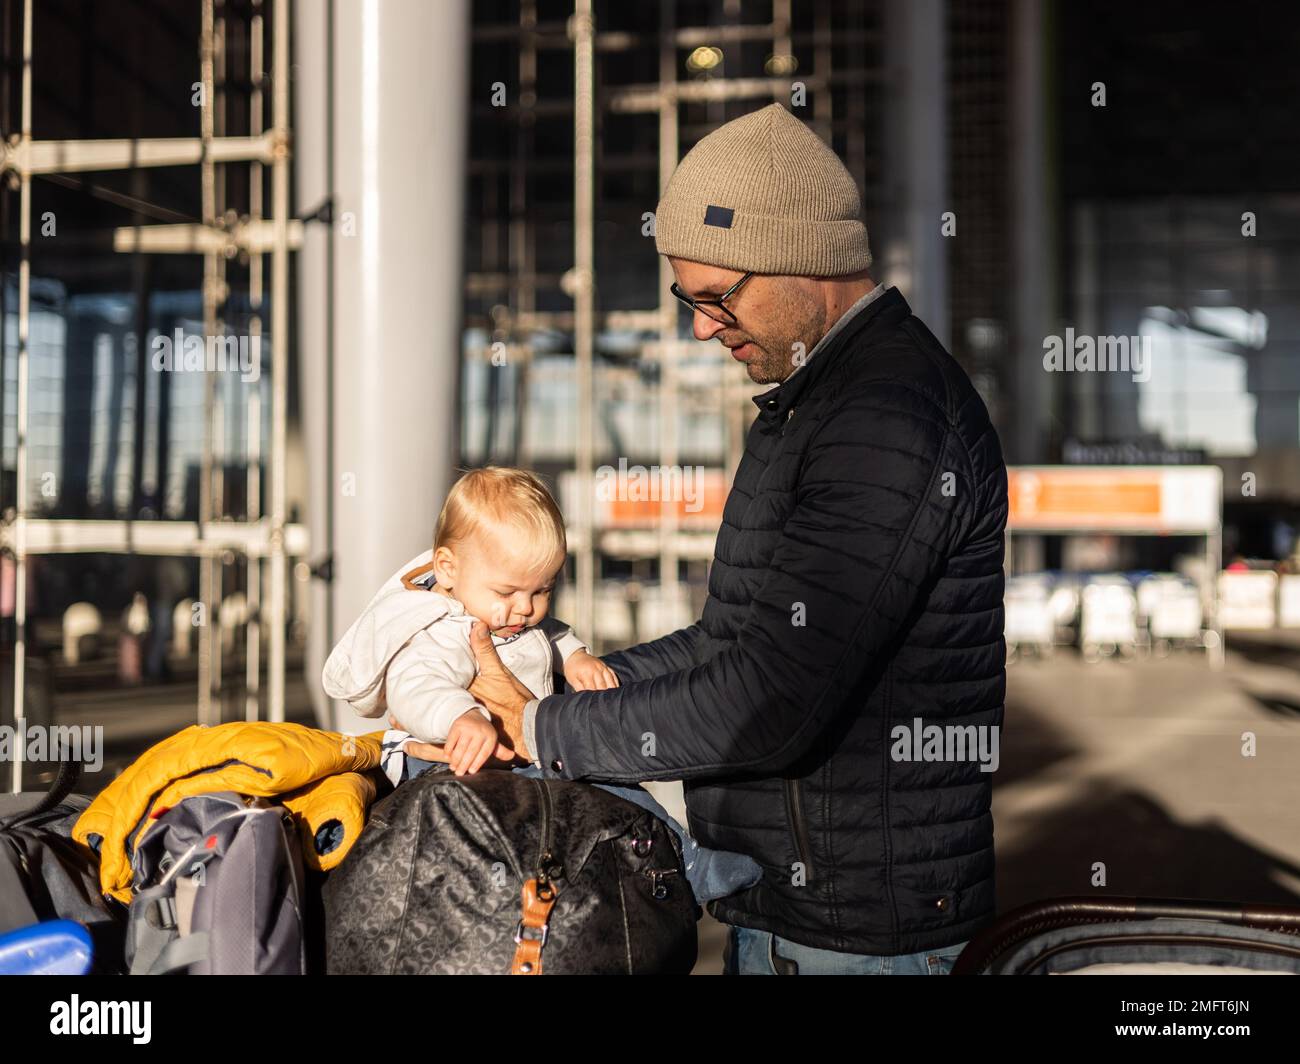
x=56, y=947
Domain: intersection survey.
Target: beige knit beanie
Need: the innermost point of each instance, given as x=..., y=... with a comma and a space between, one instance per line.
x=763, y=193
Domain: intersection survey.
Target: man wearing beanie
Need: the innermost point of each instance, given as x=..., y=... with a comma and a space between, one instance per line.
x=834, y=713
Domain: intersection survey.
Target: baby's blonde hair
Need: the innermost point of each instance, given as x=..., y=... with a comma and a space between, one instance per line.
x=504, y=496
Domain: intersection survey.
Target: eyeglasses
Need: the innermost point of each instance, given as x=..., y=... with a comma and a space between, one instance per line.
x=713, y=308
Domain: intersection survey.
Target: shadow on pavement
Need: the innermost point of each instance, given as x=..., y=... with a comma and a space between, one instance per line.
x=1146, y=852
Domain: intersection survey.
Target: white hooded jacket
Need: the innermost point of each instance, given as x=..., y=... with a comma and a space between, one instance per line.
x=409, y=654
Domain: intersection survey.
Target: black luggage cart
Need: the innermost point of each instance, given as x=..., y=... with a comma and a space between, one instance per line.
x=1136, y=936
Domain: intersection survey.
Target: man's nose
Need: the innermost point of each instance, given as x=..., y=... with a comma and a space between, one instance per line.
x=704, y=327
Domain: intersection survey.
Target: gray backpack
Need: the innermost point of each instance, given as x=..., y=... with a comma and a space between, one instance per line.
x=219, y=890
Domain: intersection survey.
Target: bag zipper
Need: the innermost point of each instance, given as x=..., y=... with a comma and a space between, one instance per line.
x=794, y=804
x=547, y=869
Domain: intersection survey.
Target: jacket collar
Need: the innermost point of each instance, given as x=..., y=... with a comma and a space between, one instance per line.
x=777, y=402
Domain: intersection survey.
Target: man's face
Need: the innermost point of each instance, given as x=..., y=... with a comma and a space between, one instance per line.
x=779, y=319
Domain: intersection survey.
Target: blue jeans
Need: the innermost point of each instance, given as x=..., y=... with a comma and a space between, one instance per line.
x=752, y=952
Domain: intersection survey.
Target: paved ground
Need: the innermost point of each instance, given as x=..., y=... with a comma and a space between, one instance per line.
x=1140, y=766
x=1136, y=765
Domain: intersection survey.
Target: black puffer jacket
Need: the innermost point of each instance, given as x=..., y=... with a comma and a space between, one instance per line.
x=856, y=586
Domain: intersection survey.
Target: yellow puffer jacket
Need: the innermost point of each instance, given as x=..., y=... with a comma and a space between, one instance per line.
x=323, y=778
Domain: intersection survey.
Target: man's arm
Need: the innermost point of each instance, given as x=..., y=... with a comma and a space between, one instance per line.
x=669, y=653
x=870, y=529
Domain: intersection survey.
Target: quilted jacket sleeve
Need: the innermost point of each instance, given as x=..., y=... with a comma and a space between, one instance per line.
x=668, y=653
x=871, y=526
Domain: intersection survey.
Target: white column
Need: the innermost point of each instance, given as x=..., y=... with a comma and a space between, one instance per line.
x=1032, y=276
x=914, y=253
x=380, y=339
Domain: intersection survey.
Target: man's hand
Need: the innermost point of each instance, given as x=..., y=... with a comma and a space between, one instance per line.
x=587, y=673
x=499, y=690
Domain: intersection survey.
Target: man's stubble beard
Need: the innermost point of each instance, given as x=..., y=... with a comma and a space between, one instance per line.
x=775, y=360
x=767, y=368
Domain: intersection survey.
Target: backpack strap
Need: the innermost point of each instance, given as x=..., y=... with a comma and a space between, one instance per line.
x=152, y=929
x=68, y=777
x=163, y=940
x=537, y=905
x=180, y=953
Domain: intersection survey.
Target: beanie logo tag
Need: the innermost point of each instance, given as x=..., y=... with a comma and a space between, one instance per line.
x=719, y=216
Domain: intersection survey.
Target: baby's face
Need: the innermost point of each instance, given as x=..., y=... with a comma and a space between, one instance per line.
x=500, y=586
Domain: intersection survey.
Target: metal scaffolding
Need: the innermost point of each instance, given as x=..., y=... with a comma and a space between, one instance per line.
x=215, y=537
x=520, y=281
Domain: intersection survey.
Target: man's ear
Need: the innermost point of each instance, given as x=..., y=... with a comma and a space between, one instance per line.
x=444, y=567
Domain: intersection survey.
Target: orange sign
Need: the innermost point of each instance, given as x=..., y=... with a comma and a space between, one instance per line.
x=634, y=501
x=1114, y=498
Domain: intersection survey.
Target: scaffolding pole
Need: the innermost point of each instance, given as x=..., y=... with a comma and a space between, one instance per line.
x=24, y=370
x=668, y=346
x=216, y=239
x=582, y=32
x=280, y=354
x=253, y=406
x=208, y=566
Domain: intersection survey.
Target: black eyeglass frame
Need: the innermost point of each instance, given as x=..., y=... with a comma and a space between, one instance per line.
x=700, y=304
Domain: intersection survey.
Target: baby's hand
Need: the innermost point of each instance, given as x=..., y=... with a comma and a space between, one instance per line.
x=587, y=673
x=470, y=742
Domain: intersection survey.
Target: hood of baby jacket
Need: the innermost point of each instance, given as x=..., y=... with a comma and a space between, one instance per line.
x=355, y=669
